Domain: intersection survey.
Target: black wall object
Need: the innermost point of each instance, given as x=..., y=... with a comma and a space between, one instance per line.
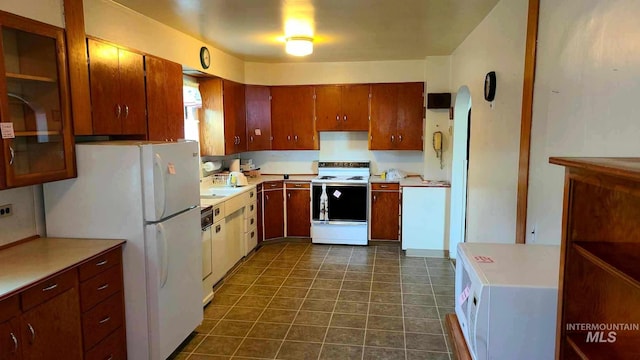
x=490, y=86
x=438, y=100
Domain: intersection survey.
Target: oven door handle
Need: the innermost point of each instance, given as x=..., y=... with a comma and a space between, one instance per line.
x=333, y=222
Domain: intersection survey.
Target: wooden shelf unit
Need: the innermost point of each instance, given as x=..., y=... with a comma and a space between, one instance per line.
x=599, y=264
x=30, y=77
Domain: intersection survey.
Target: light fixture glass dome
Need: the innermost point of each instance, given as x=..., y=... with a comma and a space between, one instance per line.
x=299, y=45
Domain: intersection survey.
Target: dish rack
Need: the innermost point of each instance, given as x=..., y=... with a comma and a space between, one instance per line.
x=219, y=179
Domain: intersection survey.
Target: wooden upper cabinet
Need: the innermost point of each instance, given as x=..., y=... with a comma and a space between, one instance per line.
x=34, y=98
x=342, y=107
x=235, y=130
x=396, y=116
x=118, y=103
x=222, y=117
x=258, y=104
x=165, y=112
x=292, y=125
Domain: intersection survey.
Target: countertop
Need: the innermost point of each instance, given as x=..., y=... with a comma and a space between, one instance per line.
x=411, y=181
x=27, y=263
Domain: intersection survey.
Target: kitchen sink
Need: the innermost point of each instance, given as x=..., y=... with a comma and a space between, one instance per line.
x=220, y=192
x=212, y=196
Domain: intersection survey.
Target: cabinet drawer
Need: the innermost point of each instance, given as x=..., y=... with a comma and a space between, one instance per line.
x=250, y=210
x=9, y=307
x=100, y=321
x=49, y=288
x=250, y=223
x=385, y=186
x=269, y=185
x=100, y=263
x=100, y=287
x=218, y=212
x=113, y=347
x=298, y=185
x=253, y=194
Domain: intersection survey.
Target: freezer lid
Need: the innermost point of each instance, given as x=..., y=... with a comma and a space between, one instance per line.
x=171, y=182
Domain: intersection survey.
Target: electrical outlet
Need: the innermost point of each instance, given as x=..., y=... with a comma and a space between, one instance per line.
x=532, y=235
x=6, y=210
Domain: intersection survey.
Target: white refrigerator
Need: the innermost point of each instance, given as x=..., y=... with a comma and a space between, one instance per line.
x=148, y=194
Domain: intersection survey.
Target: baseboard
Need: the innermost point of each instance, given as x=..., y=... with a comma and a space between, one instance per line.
x=444, y=254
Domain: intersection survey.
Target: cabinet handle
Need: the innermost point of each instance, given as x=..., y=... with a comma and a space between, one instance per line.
x=393, y=138
x=274, y=185
x=253, y=234
x=103, y=287
x=289, y=195
x=297, y=185
x=344, y=118
x=33, y=333
x=110, y=357
x=252, y=221
x=384, y=186
x=288, y=137
x=216, y=211
x=15, y=342
x=296, y=138
x=13, y=155
x=337, y=117
x=126, y=111
x=400, y=138
x=251, y=195
x=251, y=138
x=374, y=197
x=266, y=197
x=104, y=320
x=103, y=262
x=218, y=228
x=251, y=208
x=51, y=287
x=118, y=110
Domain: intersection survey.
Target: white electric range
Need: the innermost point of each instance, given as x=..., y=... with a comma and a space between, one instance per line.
x=339, y=206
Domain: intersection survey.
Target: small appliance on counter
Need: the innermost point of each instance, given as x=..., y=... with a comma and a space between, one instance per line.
x=237, y=178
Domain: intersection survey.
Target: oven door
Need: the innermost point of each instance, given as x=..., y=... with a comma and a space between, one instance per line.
x=346, y=203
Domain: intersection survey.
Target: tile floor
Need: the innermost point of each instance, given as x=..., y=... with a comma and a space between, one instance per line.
x=303, y=301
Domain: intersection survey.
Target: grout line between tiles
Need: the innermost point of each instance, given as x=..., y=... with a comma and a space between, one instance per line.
x=435, y=300
x=366, y=323
x=404, y=326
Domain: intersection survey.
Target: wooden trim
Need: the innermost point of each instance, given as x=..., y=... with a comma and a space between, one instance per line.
x=526, y=120
x=21, y=241
x=78, y=67
x=460, y=348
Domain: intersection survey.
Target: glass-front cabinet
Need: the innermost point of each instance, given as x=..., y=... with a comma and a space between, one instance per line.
x=34, y=103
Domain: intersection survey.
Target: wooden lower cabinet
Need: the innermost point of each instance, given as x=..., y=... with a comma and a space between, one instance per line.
x=298, y=209
x=385, y=212
x=62, y=317
x=273, y=210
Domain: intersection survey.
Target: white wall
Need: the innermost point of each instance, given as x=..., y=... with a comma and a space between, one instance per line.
x=586, y=93
x=108, y=20
x=438, y=75
x=46, y=11
x=497, y=44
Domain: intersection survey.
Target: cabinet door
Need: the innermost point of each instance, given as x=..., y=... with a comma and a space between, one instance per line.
x=382, y=126
x=410, y=124
x=241, y=118
x=355, y=107
x=165, y=114
x=385, y=215
x=212, y=134
x=53, y=328
x=304, y=133
x=234, y=131
x=298, y=213
x=105, y=88
x=259, y=215
x=328, y=107
x=10, y=341
x=258, y=105
x=132, y=93
x=35, y=99
x=273, y=214
x=281, y=117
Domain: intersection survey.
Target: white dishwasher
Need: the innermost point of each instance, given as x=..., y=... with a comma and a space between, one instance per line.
x=206, y=221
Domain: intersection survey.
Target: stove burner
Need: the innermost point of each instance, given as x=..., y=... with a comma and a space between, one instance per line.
x=355, y=178
x=327, y=177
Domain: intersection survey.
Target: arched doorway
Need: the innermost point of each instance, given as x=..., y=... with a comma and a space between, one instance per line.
x=460, y=166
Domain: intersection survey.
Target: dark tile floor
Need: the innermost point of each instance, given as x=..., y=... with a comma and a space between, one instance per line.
x=303, y=301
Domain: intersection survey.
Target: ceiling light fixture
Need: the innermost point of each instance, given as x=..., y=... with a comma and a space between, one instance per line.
x=299, y=45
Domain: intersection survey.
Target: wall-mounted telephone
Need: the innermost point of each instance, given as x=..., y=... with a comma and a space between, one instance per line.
x=437, y=146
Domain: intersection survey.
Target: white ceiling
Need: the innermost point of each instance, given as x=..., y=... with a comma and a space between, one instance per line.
x=343, y=30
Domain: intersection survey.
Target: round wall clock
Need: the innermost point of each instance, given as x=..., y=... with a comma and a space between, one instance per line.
x=205, y=57
x=490, y=86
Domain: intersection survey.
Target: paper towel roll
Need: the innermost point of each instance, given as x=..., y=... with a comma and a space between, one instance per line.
x=234, y=165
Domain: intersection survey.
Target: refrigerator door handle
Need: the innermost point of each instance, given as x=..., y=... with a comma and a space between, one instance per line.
x=164, y=256
x=160, y=195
